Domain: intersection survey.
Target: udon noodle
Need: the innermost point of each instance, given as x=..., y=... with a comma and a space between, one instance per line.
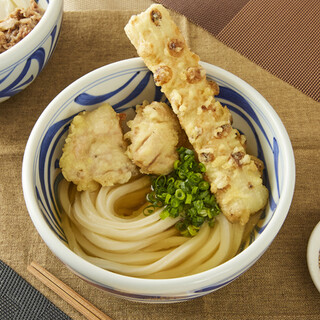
x=109, y=229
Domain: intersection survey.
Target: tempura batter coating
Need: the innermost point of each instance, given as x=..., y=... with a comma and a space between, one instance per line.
x=154, y=138
x=234, y=176
x=94, y=151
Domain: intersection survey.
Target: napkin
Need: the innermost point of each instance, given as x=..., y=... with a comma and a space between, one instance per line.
x=21, y=301
x=282, y=36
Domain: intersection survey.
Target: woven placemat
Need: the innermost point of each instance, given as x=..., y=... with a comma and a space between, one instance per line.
x=280, y=36
x=21, y=301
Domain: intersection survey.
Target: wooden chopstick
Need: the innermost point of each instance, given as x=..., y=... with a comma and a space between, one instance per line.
x=66, y=293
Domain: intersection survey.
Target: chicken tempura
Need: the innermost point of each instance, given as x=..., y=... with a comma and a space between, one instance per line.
x=235, y=177
x=94, y=151
x=154, y=138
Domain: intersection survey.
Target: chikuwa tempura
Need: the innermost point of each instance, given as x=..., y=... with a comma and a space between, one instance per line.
x=150, y=203
x=234, y=175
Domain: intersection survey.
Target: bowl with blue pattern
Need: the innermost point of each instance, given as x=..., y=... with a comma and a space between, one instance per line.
x=22, y=63
x=125, y=84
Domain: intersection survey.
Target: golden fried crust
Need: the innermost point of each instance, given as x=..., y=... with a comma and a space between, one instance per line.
x=94, y=151
x=154, y=137
x=234, y=176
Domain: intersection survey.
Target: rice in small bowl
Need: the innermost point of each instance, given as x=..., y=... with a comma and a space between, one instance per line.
x=123, y=85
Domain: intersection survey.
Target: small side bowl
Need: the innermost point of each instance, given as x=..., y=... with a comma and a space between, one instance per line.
x=313, y=256
x=21, y=64
x=125, y=84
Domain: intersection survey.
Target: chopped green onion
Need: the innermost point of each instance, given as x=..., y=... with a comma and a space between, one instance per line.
x=181, y=174
x=171, y=189
x=170, y=180
x=204, y=194
x=174, y=212
x=197, y=221
x=194, y=190
x=158, y=203
x=148, y=210
x=180, y=225
x=164, y=214
x=189, y=199
x=174, y=202
x=181, y=150
x=210, y=200
x=192, y=230
x=204, y=212
x=185, y=194
x=176, y=164
x=192, y=212
x=185, y=233
x=151, y=197
x=167, y=199
x=204, y=185
x=177, y=184
x=179, y=194
x=202, y=167
x=198, y=204
x=161, y=181
x=188, y=151
x=211, y=223
x=194, y=179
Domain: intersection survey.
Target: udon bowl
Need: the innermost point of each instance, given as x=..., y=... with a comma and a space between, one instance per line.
x=125, y=84
x=22, y=63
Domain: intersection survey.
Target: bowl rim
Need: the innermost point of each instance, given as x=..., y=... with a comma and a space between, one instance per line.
x=33, y=40
x=313, y=252
x=171, y=287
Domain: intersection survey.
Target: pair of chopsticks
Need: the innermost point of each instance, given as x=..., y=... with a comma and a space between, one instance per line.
x=66, y=293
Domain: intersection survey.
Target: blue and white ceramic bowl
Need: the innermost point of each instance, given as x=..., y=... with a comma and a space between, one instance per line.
x=21, y=64
x=125, y=84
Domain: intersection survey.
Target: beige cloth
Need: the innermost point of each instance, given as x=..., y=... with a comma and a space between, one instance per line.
x=84, y=5
x=277, y=287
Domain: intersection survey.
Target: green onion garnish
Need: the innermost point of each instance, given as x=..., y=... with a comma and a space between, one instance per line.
x=148, y=210
x=184, y=193
x=180, y=195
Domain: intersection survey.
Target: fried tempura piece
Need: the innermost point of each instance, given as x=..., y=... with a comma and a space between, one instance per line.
x=234, y=176
x=94, y=151
x=154, y=138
